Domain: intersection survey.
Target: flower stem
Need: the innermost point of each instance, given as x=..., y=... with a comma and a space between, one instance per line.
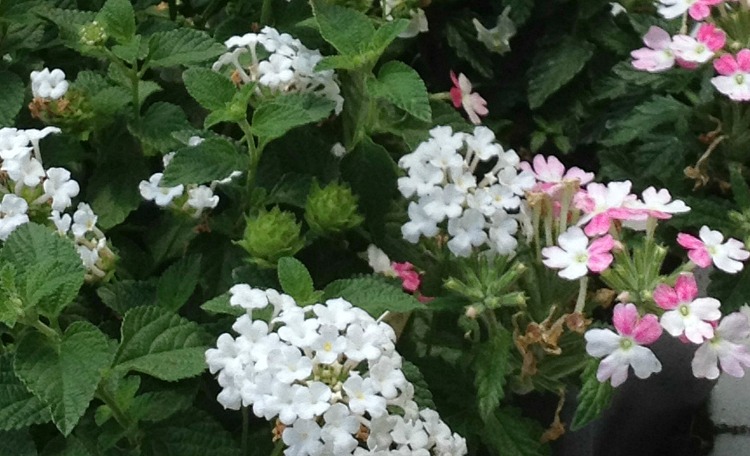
x=581, y=301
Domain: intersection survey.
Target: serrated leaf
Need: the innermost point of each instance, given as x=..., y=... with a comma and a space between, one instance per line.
x=65, y=373
x=124, y=295
x=645, y=117
x=491, y=367
x=213, y=159
x=461, y=36
x=401, y=85
x=341, y=62
x=273, y=118
x=373, y=295
x=110, y=101
x=348, y=30
x=512, y=434
x=740, y=189
x=158, y=124
x=422, y=394
x=595, y=397
x=157, y=406
x=18, y=407
x=130, y=51
x=385, y=35
x=295, y=280
x=211, y=89
x=553, y=68
x=118, y=19
x=146, y=89
x=70, y=446
x=47, y=264
x=178, y=282
x=11, y=98
x=161, y=344
x=192, y=433
x=183, y=46
x=220, y=306
x=17, y=443
x=113, y=188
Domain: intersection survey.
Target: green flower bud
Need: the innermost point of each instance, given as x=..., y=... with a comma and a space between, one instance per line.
x=271, y=235
x=331, y=209
x=92, y=34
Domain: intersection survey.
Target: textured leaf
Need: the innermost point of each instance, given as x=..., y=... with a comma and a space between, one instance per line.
x=64, y=374
x=511, y=434
x=740, y=189
x=461, y=36
x=657, y=111
x=124, y=295
x=373, y=295
x=158, y=124
x=272, y=119
x=157, y=406
x=70, y=446
x=553, y=68
x=385, y=35
x=422, y=394
x=17, y=443
x=161, y=344
x=48, y=265
x=192, y=433
x=213, y=159
x=491, y=366
x=18, y=407
x=182, y=46
x=211, y=89
x=118, y=19
x=401, y=85
x=11, y=98
x=594, y=397
x=348, y=30
x=178, y=282
x=295, y=280
x=220, y=306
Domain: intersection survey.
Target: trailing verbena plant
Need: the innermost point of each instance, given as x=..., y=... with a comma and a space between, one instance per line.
x=322, y=227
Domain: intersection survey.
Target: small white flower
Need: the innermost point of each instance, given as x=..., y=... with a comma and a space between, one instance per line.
x=60, y=187
x=467, y=231
x=363, y=398
x=48, y=84
x=200, y=198
x=62, y=221
x=13, y=210
x=84, y=220
x=152, y=190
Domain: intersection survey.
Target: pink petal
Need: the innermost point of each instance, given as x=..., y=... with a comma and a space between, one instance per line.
x=699, y=11
x=666, y=297
x=648, y=330
x=689, y=241
x=657, y=38
x=456, y=97
x=599, y=262
x=701, y=257
x=479, y=104
x=686, y=288
x=743, y=60
x=625, y=318
x=603, y=244
x=598, y=225
x=726, y=65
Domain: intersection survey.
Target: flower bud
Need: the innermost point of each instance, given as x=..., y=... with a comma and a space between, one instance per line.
x=92, y=34
x=271, y=235
x=331, y=209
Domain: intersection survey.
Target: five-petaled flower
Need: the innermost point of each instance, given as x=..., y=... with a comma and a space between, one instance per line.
x=575, y=257
x=461, y=95
x=684, y=314
x=711, y=247
x=727, y=348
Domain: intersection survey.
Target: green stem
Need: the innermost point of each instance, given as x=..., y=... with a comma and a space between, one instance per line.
x=46, y=330
x=582, y=288
x=122, y=419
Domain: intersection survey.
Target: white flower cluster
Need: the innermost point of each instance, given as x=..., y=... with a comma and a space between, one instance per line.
x=281, y=63
x=48, y=84
x=28, y=185
x=199, y=197
x=402, y=8
x=441, y=176
x=330, y=377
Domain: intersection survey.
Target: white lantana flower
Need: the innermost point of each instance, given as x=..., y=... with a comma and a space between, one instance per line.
x=13, y=213
x=153, y=191
x=60, y=188
x=48, y=84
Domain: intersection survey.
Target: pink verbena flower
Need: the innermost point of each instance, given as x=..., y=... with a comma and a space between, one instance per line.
x=575, y=257
x=686, y=315
x=603, y=204
x=550, y=174
x=658, y=55
x=410, y=279
x=734, y=81
x=727, y=349
x=690, y=51
x=461, y=95
x=698, y=9
x=726, y=256
x=658, y=204
x=626, y=348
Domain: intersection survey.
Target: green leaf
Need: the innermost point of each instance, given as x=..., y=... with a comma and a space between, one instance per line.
x=348, y=30
x=740, y=189
x=110, y=101
x=422, y=394
x=401, y=85
x=211, y=89
x=48, y=266
x=520, y=10
x=273, y=118
x=183, y=46
x=512, y=434
x=213, y=159
x=385, y=35
x=161, y=344
x=553, y=68
x=65, y=373
x=732, y=290
x=12, y=307
x=491, y=366
x=70, y=446
x=18, y=407
x=191, y=433
x=157, y=406
x=220, y=306
x=118, y=19
x=158, y=124
x=593, y=399
x=657, y=111
x=124, y=295
x=461, y=36
x=11, y=98
x=17, y=443
x=295, y=280
x=178, y=282
x=373, y=295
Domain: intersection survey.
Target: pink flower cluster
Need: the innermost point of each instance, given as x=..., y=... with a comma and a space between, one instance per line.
x=706, y=43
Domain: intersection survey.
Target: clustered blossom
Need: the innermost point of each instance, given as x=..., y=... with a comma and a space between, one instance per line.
x=328, y=376
x=475, y=212
x=278, y=62
x=29, y=187
x=193, y=199
x=707, y=43
x=50, y=85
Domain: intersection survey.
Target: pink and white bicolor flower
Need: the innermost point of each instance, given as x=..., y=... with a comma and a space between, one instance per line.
x=603, y=204
x=658, y=55
x=575, y=257
x=727, y=348
x=698, y=9
x=684, y=314
x=734, y=79
x=626, y=347
x=550, y=174
x=461, y=95
x=658, y=204
x=727, y=256
x=701, y=48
